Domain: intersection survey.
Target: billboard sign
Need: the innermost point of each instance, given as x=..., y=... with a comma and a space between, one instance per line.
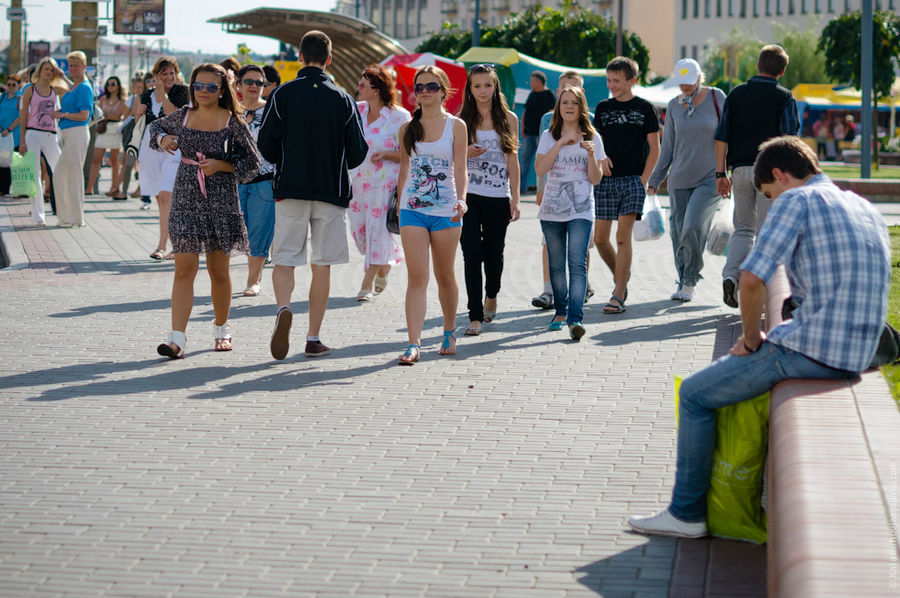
x=139, y=17
x=37, y=50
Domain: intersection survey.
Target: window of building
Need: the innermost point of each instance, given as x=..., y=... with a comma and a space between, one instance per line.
x=730, y=8
x=684, y=51
x=684, y=8
x=791, y=8
x=694, y=52
x=817, y=8
x=707, y=8
x=718, y=8
x=803, y=7
x=846, y=5
x=743, y=9
x=755, y=8
x=768, y=8
x=696, y=9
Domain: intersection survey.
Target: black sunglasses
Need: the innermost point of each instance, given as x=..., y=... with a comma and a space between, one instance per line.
x=429, y=87
x=251, y=82
x=210, y=87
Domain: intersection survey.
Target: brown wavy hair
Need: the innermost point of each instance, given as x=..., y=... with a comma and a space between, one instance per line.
x=164, y=62
x=499, y=110
x=228, y=99
x=414, y=131
x=381, y=80
x=584, y=121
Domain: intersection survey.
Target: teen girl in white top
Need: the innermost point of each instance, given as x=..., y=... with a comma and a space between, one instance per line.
x=493, y=198
x=433, y=183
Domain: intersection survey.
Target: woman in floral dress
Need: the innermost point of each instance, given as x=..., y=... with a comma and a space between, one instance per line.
x=375, y=180
x=217, y=152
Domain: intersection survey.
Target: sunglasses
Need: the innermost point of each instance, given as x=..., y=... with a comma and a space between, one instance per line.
x=210, y=87
x=481, y=68
x=252, y=82
x=427, y=87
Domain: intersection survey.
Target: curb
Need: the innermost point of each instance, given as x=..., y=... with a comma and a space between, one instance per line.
x=12, y=253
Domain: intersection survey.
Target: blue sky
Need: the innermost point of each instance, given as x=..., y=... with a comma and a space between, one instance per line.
x=185, y=29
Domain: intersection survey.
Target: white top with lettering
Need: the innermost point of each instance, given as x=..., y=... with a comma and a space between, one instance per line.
x=430, y=185
x=569, y=194
x=488, y=175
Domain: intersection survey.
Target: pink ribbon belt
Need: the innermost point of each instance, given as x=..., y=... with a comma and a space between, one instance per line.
x=201, y=176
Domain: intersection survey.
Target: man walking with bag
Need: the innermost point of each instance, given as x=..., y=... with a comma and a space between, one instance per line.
x=313, y=134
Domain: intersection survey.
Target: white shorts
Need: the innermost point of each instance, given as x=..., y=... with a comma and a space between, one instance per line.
x=295, y=219
x=158, y=168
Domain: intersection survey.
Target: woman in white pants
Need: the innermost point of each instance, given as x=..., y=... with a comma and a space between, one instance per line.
x=39, y=103
x=74, y=116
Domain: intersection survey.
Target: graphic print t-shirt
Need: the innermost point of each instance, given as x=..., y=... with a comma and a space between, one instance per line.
x=569, y=194
x=253, y=118
x=488, y=174
x=624, y=127
x=430, y=185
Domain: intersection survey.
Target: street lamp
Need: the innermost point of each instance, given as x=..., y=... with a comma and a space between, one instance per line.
x=476, y=26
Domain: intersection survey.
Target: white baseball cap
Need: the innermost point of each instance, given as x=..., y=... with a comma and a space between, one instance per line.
x=687, y=71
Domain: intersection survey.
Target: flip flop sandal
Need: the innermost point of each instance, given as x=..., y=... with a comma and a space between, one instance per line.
x=363, y=296
x=410, y=356
x=612, y=308
x=446, y=348
x=489, y=316
x=158, y=255
x=472, y=330
x=380, y=284
x=251, y=291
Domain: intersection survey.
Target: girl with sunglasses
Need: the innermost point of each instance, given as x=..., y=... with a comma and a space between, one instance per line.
x=569, y=153
x=217, y=152
x=114, y=108
x=493, y=198
x=433, y=179
x=257, y=197
x=375, y=180
x=157, y=172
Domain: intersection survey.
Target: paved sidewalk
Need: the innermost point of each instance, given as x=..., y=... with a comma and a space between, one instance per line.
x=508, y=470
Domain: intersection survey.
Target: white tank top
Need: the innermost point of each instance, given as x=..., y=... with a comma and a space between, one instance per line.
x=430, y=185
x=488, y=175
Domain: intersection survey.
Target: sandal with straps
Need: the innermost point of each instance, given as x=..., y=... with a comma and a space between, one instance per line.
x=411, y=355
x=223, y=336
x=614, y=308
x=446, y=347
x=177, y=338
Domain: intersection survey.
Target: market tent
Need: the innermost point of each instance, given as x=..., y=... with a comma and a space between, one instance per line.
x=660, y=94
x=406, y=65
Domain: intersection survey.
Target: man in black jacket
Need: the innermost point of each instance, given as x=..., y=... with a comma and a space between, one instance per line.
x=313, y=134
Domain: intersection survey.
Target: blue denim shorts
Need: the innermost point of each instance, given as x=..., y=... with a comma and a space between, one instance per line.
x=258, y=209
x=615, y=196
x=429, y=223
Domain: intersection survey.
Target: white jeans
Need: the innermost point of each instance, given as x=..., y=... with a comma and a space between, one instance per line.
x=68, y=178
x=41, y=142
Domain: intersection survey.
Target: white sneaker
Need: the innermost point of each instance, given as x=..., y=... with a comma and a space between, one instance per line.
x=666, y=524
x=684, y=294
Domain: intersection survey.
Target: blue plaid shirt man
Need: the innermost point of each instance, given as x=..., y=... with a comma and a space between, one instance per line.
x=838, y=273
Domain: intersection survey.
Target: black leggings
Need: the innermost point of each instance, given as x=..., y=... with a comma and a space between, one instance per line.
x=483, y=239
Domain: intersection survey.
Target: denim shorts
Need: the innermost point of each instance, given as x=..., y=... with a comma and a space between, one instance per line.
x=429, y=223
x=616, y=196
x=258, y=209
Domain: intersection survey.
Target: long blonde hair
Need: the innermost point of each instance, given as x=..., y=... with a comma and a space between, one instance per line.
x=57, y=80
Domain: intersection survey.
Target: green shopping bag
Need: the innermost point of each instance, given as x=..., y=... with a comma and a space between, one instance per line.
x=23, y=174
x=734, y=499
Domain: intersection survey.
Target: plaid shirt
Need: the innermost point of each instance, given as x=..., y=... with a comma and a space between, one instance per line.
x=835, y=248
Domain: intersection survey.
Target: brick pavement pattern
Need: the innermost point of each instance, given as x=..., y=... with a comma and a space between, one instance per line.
x=507, y=470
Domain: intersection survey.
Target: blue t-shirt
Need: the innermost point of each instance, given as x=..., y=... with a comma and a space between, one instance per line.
x=81, y=97
x=9, y=112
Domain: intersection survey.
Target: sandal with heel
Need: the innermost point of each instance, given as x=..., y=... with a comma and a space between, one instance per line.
x=223, y=336
x=177, y=338
x=446, y=347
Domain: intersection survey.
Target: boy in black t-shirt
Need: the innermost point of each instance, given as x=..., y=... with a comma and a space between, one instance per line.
x=539, y=101
x=629, y=127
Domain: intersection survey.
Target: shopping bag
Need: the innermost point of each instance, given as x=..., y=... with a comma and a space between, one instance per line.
x=651, y=225
x=7, y=147
x=722, y=228
x=734, y=498
x=23, y=175
x=392, y=216
x=133, y=147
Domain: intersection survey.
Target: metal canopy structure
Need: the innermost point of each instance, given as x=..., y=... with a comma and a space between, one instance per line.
x=356, y=43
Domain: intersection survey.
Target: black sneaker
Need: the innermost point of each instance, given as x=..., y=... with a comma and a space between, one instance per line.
x=281, y=336
x=729, y=293
x=316, y=349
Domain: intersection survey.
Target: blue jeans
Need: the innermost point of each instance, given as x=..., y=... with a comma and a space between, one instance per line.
x=258, y=209
x=526, y=160
x=728, y=380
x=568, y=241
x=690, y=217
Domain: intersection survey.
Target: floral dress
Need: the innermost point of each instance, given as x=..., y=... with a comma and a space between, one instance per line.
x=201, y=223
x=373, y=185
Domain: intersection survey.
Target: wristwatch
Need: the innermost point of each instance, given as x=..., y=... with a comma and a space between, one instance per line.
x=721, y=175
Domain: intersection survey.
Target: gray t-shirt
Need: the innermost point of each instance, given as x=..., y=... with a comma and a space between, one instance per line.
x=688, y=151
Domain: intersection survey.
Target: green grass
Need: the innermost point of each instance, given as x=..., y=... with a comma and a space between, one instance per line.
x=892, y=372
x=852, y=172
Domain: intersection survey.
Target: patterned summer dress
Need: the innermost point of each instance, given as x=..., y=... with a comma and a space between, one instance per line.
x=199, y=224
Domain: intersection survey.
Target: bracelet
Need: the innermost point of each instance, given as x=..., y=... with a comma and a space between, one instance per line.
x=721, y=175
x=749, y=350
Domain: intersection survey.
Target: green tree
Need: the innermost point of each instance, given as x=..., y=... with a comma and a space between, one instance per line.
x=571, y=36
x=807, y=64
x=731, y=59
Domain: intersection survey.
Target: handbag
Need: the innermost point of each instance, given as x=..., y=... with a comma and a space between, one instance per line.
x=392, y=219
x=7, y=147
x=23, y=175
x=133, y=146
x=651, y=226
x=101, y=127
x=722, y=228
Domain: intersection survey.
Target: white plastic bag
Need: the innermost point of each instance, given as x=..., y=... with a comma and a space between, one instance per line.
x=7, y=147
x=651, y=225
x=722, y=228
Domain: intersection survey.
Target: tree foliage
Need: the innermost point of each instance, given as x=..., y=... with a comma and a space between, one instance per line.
x=571, y=36
x=732, y=59
x=841, y=43
x=807, y=64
